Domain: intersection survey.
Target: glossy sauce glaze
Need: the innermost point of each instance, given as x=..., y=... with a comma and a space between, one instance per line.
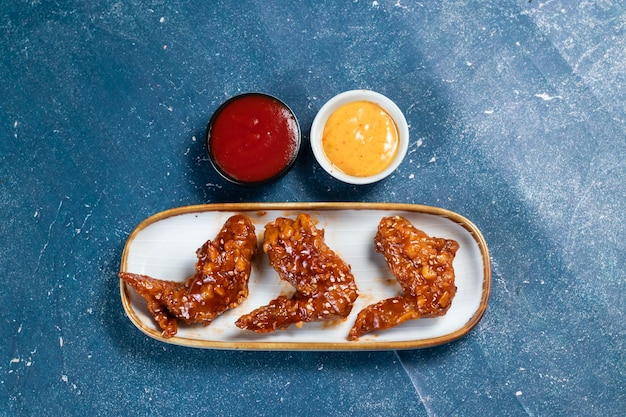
x=325, y=286
x=220, y=282
x=360, y=139
x=253, y=138
x=422, y=265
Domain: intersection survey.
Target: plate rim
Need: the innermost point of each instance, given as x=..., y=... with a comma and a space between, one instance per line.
x=310, y=346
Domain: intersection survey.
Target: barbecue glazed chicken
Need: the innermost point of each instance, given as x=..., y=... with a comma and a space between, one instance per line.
x=325, y=287
x=423, y=267
x=219, y=283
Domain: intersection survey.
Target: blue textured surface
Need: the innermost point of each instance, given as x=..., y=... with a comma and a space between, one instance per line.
x=518, y=121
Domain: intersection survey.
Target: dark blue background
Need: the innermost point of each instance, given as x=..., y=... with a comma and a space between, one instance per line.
x=518, y=122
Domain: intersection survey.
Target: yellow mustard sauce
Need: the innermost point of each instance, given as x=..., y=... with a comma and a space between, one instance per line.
x=360, y=138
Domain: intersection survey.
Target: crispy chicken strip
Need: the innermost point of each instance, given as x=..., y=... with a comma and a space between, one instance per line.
x=325, y=287
x=219, y=283
x=423, y=267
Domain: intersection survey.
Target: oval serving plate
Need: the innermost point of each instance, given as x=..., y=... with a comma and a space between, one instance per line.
x=164, y=246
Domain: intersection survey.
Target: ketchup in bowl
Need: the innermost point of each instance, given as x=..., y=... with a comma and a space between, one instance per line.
x=253, y=138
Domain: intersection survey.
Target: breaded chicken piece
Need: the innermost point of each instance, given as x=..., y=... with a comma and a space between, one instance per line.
x=325, y=286
x=219, y=283
x=423, y=267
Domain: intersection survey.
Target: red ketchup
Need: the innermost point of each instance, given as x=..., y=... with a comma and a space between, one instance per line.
x=253, y=138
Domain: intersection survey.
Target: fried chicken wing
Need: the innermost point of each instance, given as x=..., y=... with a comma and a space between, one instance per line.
x=219, y=283
x=423, y=267
x=325, y=286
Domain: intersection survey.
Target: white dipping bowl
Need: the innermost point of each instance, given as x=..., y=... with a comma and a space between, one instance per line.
x=317, y=129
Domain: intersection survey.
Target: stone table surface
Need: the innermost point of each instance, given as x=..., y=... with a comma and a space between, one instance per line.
x=517, y=114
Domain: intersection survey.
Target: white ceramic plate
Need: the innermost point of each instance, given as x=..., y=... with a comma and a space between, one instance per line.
x=164, y=246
